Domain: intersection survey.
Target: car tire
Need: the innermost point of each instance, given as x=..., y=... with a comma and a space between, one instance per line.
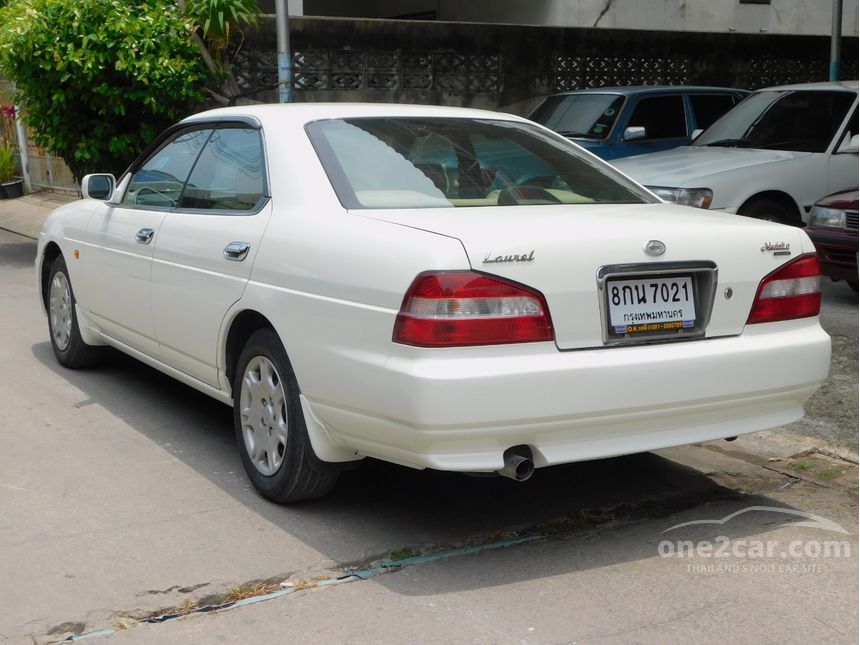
x=270, y=426
x=768, y=210
x=66, y=341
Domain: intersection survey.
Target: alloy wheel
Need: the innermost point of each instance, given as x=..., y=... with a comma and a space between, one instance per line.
x=60, y=309
x=263, y=415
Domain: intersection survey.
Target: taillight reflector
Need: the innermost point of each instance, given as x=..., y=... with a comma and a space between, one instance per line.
x=792, y=291
x=457, y=308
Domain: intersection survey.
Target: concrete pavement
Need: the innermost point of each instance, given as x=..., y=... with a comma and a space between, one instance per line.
x=122, y=496
x=25, y=215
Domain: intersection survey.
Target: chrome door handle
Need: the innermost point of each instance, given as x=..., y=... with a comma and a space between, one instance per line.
x=237, y=251
x=144, y=235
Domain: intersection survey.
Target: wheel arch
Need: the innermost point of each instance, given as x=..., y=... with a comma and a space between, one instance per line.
x=241, y=327
x=50, y=253
x=243, y=324
x=783, y=198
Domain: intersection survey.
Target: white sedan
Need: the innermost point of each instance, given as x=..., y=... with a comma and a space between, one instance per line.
x=436, y=287
x=770, y=157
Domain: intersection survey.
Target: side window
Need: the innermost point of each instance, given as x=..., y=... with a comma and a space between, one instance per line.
x=159, y=181
x=661, y=116
x=707, y=108
x=229, y=173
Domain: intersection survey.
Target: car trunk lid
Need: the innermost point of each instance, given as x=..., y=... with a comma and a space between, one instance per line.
x=566, y=252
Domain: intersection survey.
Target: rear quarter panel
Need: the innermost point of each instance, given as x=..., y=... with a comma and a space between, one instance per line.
x=332, y=281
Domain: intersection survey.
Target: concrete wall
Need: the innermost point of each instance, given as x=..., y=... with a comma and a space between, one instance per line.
x=797, y=17
x=493, y=66
x=800, y=17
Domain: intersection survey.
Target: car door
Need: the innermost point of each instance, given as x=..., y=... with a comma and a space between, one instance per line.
x=118, y=263
x=206, y=248
x=842, y=166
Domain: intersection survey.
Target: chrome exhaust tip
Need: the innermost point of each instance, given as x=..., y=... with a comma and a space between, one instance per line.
x=518, y=466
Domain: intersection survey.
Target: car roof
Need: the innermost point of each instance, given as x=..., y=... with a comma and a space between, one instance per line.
x=306, y=112
x=846, y=86
x=652, y=89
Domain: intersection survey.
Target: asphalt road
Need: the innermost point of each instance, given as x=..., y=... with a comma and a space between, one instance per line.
x=122, y=497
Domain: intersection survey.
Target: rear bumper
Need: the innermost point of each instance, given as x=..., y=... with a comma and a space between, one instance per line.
x=460, y=410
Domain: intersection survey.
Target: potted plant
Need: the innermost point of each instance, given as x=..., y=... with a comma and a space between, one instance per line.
x=10, y=187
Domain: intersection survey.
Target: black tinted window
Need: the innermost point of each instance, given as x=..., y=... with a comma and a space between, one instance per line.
x=661, y=116
x=229, y=173
x=802, y=121
x=707, y=108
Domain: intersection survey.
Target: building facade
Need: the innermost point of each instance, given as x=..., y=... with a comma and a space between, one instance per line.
x=789, y=17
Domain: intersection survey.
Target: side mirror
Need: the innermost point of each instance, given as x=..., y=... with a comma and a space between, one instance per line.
x=849, y=146
x=633, y=132
x=696, y=134
x=99, y=186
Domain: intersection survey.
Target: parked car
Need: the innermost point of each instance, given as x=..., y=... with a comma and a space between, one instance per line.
x=615, y=122
x=769, y=157
x=323, y=270
x=833, y=229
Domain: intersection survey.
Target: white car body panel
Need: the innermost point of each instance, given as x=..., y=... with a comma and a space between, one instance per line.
x=565, y=270
x=842, y=173
x=191, y=273
x=735, y=174
x=331, y=282
x=462, y=413
x=117, y=272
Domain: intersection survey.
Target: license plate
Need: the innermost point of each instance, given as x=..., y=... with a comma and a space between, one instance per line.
x=651, y=305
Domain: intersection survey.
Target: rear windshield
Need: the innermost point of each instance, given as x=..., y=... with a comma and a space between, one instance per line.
x=432, y=163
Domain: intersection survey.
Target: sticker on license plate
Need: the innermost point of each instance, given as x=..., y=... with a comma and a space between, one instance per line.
x=651, y=305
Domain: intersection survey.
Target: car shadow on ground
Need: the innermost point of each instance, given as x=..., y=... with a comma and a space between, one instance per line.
x=379, y=508
x=17, y=254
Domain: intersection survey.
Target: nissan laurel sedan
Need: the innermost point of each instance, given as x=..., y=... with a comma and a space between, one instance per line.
x=435, y=287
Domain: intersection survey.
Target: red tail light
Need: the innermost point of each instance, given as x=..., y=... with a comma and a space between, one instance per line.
x=456, y=308
x=792, y=291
